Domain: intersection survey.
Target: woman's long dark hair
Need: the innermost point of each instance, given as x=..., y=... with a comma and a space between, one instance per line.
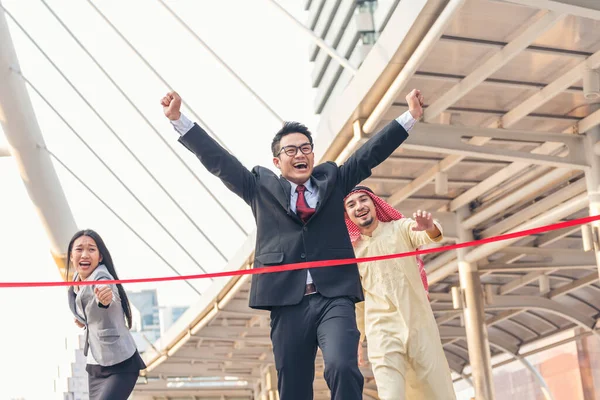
x=108, y=262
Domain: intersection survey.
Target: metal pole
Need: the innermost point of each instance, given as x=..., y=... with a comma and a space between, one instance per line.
x=220, y=61
x=158, y=76
x=318, y=41
x=476, y=329
x=269, y=383
x=27, y=147
x=592, y=177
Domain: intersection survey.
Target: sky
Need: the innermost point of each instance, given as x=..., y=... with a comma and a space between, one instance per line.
x=258, y=43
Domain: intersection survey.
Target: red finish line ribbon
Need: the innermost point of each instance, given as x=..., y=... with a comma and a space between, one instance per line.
x=317, y=264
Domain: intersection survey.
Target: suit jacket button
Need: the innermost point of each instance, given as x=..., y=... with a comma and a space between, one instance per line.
x=302, y=255
x=305, y=229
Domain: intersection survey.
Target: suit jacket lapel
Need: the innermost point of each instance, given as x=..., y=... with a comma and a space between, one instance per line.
x=321, y=182
x=287, y=192
x=278, y=189
x=73, y=301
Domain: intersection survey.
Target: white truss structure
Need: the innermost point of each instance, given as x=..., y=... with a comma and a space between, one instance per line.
x=508, y=142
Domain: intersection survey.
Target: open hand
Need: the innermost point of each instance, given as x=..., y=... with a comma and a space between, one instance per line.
x=415, y=103
x=171, y=106
x=103, y=294
x=424, y=221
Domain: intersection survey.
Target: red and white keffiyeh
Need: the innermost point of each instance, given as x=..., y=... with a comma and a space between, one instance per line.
x=385, y=213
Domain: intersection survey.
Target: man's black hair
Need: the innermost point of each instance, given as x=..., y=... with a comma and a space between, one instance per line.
x=288, y=128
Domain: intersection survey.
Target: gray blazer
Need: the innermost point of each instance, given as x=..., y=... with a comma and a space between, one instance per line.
x=106, y=333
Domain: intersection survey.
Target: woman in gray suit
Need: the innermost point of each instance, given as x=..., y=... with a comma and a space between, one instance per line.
x=113, y=362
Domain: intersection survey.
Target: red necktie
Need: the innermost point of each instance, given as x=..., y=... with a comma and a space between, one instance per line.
x=302, y=208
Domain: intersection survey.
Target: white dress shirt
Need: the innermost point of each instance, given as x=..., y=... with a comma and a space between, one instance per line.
x=406, y=120
x=311, y=195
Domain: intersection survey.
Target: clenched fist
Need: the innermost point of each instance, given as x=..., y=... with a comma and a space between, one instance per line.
x=171, y=106
x=103, y=294
x=415, y=103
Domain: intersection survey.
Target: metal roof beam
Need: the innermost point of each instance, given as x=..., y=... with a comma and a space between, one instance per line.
x=265, y=341
x=499, y=45
x=546, y=252
x=589, y=9
x=589, y=122
x=535, y=207
x=525, y=108
x=517, y=304
x=451, y=332
x=446, y=101
x=539, y=266
x=420, y=159
x=399, y=108
x=576, y=284
x=493, y=64
x=404, y=179
x=561, y=211
x=453, y=140
x=504, y=174
x=500, y=83
x=192, y=370
x=544, y=304
x=549, y=92
x=221, y=331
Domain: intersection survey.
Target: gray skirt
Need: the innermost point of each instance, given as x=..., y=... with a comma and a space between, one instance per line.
x=113, y=387
x=115, y=382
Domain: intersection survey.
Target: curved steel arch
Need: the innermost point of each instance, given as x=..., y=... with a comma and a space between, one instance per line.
x=512, y=302
x=447, y=332
x=545, y=304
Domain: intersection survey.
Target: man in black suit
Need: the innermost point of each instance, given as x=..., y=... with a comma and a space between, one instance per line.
x=300, y=217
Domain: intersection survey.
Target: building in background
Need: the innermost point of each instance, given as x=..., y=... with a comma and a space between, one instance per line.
x=168, y=316
x=149, y=320
x=146, y=303
x=71, y=382
x=351, y=27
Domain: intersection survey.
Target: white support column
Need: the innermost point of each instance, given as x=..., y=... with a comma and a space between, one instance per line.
x=592, y=177
x=27, y=147
x=473, y=311
x=589, y=9
x=269, y=383
x=256, y=390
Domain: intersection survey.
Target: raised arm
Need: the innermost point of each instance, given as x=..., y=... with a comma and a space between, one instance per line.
x=215, y=158
x=421, y=229
x=105, y=294
x=377, y=149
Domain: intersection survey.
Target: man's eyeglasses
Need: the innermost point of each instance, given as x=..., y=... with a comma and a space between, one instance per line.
x=292, y=150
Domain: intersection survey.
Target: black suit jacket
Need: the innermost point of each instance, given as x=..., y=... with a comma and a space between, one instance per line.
x=282, y=237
